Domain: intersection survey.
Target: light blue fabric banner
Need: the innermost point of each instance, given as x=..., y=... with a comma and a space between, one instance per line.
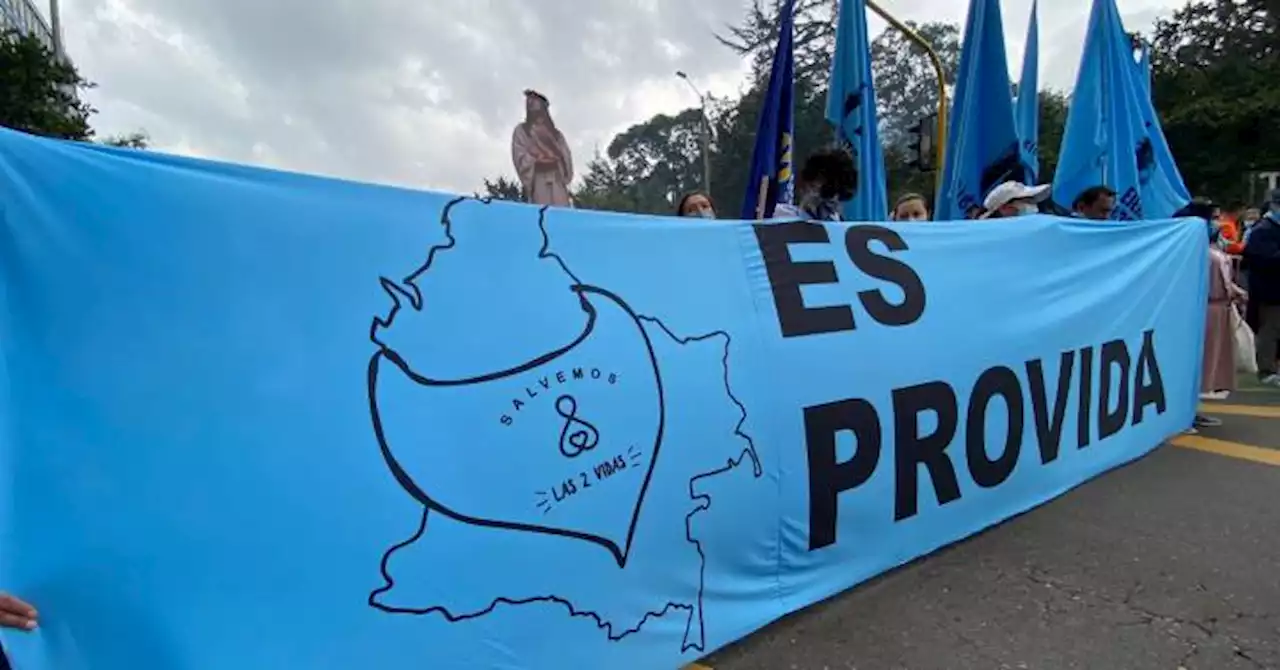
x=1112, y=136
x=261, y=420
x=983, y=144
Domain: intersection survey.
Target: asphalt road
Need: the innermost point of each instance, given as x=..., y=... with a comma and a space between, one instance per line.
x=1172, y=562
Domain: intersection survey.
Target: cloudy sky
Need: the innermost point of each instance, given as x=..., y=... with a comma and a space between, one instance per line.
x=425, y=93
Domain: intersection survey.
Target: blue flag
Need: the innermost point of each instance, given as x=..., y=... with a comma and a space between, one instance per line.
x=1144, y=67
x=1028, y=104
x=983, y=145
x=1167, y=168
x=772, y=179
x=851, y=109
x=253, y=419
x=1112, y=136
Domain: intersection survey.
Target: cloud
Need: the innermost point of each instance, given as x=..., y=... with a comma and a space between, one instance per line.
x=425, y=94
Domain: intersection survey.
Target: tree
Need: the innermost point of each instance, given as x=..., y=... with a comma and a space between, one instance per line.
x=1053, y=122
x=906, y=82
x=38, y=91
x=1215, y=64
x=814, y=36
x=503, y=188
x=605, y=187
x=651, y=163
x=135, y=140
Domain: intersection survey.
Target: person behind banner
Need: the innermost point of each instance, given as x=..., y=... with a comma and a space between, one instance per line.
x=541, y=155
x=910, y=207
x=1218, y=373
x=1095, y=203
x=1248, y=220
x=829, y=177
x=1013, y=198
x=1231, y=237
x=1262, y=259
x=696, y=205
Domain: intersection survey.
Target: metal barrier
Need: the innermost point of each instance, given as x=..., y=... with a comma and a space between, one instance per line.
x=22, y=15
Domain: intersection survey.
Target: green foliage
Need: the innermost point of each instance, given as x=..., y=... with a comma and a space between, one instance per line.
x=906, y=83
x=134, y=140
x=907, y=92
x=1053, y=121
x=503, y=188
x=648, y=166
x=814, y=35
x=38, y=92
x=657, y=161
x=1215, y=66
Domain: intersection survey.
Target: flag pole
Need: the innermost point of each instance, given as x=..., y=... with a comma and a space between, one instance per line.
x=938, y=68
x=760, y=202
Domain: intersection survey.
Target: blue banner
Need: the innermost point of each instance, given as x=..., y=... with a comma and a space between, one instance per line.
x=983, y=144
x=1028, y=102
x=851, y=109
x=253, y=419
x=1112, y=136
x=772, y=177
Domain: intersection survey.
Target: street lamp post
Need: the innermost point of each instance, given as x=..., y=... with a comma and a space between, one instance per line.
x=55, y=27
x=706, y=132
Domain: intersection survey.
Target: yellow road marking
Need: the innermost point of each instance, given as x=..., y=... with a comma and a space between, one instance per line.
x=1260, y=411
x=1229, y=449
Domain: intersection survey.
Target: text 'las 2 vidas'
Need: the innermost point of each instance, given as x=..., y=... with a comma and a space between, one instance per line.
x=1128, y=385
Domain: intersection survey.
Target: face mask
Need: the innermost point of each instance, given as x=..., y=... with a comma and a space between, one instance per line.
x=819, y=203
x=1027, y=209
x=706, y=214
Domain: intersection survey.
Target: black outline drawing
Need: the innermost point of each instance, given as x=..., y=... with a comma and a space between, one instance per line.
x=587, y=433
x=408, y=290
x=387, y=353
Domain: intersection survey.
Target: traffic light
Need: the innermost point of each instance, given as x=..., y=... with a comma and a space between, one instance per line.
x=917, y=144
x=923, y=152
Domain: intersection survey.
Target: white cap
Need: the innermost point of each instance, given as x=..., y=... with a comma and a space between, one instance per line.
x=1014, y=190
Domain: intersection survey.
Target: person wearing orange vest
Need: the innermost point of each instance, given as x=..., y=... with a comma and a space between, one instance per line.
x=1232, y=237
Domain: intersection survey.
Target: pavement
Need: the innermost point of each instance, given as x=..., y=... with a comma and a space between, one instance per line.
x=1169, y=563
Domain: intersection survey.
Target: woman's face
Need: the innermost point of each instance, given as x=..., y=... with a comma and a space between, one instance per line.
x=699, y=206
x=1215, y=227
x=911, y=210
